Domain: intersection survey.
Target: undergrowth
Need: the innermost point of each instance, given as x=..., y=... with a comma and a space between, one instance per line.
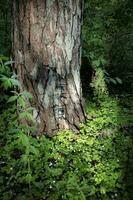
x=96, y=164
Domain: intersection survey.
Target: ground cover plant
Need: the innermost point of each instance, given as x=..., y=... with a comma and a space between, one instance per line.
x=94, y=164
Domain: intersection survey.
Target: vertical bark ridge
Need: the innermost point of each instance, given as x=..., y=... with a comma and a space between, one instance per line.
x=47, y=52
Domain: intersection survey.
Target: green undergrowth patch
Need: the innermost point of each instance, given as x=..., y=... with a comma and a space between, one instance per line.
x=97, y=163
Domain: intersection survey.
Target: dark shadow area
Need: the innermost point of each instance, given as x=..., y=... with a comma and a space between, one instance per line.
x=121, y=50
x=86, y=75
x=120, y=65
x=5, y=27
x=125, y=122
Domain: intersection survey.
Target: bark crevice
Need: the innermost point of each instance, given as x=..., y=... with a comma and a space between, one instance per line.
x=47, y=37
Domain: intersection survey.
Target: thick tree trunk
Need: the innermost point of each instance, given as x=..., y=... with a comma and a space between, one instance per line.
x=47, y=52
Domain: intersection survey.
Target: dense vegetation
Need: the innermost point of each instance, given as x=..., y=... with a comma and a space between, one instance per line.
x=97, y=163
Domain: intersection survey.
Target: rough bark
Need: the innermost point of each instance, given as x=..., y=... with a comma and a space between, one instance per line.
x=47, y=52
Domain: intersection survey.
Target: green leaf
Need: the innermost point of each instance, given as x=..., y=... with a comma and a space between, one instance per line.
x=113, y=81
x=24, y=139
x=11, y=99
x=28, y=178
x=103, y=190
x=25, y=158
x=15, y=82
x=21, y=101
x=34, y=150
x=4, y=58
x=6, y=82
x=27, y=94
x=96, y=63
x=10, y=62
x=26, y=115
x=118, y=80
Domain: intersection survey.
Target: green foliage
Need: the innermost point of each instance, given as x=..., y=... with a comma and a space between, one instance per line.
x=89, y=165
x=98, y=83
x=5, y=74
x=107, y=41
x=5, y=27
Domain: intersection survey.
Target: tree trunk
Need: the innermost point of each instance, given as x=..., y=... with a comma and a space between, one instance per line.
x=47, y=52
